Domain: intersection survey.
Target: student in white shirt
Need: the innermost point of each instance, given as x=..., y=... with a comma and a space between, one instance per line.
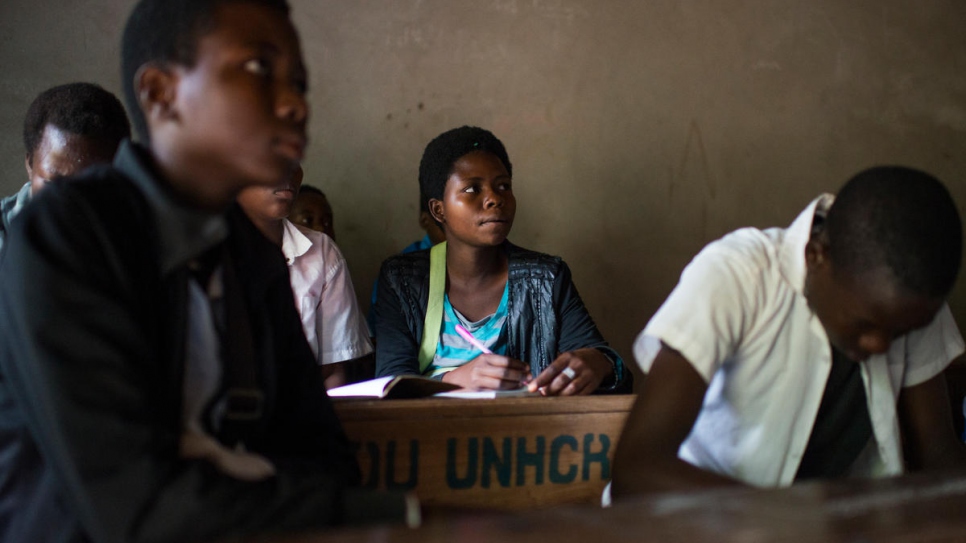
x=814, y=351
x=321, y=285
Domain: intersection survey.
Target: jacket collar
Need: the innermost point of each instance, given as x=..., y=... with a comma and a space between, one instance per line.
x=258, y=262
x=183, y=232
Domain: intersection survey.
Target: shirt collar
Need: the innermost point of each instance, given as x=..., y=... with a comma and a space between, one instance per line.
x=294, y=242
x=24, y=196
x=183, y=232
x=796, y=236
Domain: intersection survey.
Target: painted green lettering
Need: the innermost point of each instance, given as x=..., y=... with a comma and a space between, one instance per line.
x=556, y=476
x=452, y=479
x=601, y=457
x=534, y=459
x=501, y=464
x=410, y=483
x=372, y=450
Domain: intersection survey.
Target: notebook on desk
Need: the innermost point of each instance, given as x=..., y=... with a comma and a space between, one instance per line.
x=487, y=394
x=398, y=387
x=415, y=386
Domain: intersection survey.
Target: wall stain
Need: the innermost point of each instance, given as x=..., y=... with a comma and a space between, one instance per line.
x=695, y=139
x=696, y=155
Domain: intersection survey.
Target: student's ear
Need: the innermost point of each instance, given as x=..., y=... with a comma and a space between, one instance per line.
x=436, y=210
x=816, y=252
x=30, y=169
x=156, y=90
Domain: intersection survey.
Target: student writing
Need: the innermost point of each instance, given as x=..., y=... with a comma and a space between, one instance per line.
x=812, y=351
x=521, y=304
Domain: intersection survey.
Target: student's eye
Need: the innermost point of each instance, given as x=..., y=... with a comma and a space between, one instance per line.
x=257, y=66
x=471, y=189
x=505, y=186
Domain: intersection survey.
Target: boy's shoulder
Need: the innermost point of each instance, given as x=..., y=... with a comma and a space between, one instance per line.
x=94, y=227
x=750, y=248
x=101, y=193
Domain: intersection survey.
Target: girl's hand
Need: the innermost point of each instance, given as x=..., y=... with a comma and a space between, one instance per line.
x=490, y=372
x=573, y=373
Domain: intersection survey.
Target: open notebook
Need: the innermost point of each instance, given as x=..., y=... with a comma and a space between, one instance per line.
x=414, y=386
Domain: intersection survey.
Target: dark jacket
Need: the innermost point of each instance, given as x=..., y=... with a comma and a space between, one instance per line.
x=92, y=343
x=546, y=316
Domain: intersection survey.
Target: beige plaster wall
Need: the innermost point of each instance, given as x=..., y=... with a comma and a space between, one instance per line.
x=638, y=130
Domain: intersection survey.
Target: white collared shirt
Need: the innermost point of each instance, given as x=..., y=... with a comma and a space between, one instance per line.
x=739, y=315
x=324, y=296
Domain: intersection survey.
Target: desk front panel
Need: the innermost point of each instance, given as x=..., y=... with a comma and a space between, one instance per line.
x=513, y=453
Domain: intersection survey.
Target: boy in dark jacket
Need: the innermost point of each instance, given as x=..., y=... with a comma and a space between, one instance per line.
x=155, y=383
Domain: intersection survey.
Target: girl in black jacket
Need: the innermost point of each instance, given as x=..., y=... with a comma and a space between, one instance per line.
x=522, y=305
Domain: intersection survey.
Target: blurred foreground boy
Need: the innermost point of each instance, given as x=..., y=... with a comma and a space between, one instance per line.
x=813, y=351
x=155, y=383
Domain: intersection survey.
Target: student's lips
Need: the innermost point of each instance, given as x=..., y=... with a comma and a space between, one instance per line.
x=292, y=147
x=286, y=193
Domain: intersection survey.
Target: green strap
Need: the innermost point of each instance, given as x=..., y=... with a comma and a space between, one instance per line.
x=434, y=308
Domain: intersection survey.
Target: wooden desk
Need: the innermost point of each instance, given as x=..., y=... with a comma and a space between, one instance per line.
x=901, y=510
x=508, y=453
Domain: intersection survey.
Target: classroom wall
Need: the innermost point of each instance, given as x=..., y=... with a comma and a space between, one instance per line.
x=638, y=131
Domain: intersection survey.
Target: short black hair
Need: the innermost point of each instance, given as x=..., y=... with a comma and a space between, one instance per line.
x=899, y=219
x=437, y=163
x=167, y=32
x=423, y=203
x=84, y=109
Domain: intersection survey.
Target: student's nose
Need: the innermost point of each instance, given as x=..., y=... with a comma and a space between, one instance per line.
x=292, y=105
x=492, y=198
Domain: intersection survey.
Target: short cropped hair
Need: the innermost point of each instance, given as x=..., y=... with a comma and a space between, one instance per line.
x=899, y=219
x=442, y=153
x=167, y=32
x=83, y=109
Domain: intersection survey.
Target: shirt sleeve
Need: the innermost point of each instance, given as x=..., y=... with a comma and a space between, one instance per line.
x=705, y=315
x=341, y=330
x=929, y=350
